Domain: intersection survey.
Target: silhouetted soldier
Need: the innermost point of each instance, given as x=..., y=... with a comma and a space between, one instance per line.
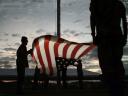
x=21, y=63
x=110, y=38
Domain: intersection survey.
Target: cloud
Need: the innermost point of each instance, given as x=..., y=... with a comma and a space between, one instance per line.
x=75, y=6
x=3, y=39
x=4, y=62
x=3, y=35
x=9, y=2
x=72, y=31
x=40, y=1
x=9, y=49
x=17, y=44
x=12, y=58
x=92, y=66
x=7, y=62
x=88, y=26
x=15, y=35
x=66, y=30
x=78, y=21
x=77, y=34
x=6, y=34
x=40, y=31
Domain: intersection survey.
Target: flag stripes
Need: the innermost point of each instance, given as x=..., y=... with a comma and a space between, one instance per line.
x=75, y=50
x=47, y=47
x=39, y=55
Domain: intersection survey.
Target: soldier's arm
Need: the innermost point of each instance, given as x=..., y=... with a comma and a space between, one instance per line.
x=124, y=23
x=92, y=24
x=29, y=51
x=92, y=20
x=124, y=19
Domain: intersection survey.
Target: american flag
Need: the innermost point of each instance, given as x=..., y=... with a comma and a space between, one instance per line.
x=47, y=47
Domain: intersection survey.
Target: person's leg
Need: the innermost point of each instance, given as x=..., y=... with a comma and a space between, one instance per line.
x=105, y=57
x=105, y=61
x=119, y=74
x=20, y=79
x=80, y=74
x=114, y=77
x=36, y=78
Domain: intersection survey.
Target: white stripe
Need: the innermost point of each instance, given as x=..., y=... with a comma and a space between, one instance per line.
x=43, y=54
x=80, y=51
x=36, y=57
x=37, y=60
x=70, y=49
x=60, y=49
x=52, y=55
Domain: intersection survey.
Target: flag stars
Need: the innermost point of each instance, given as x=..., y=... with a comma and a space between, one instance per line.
x=63, y=62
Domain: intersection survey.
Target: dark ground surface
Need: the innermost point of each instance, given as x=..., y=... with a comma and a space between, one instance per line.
x=91, y=88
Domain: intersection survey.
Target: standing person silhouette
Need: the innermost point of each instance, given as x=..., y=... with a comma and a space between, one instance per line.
x=106, y=19
x=21, y=63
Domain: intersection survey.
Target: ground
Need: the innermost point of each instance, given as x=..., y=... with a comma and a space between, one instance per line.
x=91, y=88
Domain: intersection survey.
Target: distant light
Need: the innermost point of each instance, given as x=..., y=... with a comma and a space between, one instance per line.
x=95, y=70
x=8, y=81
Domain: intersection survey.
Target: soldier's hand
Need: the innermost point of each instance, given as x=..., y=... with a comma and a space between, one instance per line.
x=124, y=41
x=30, y=51
x=96, y=40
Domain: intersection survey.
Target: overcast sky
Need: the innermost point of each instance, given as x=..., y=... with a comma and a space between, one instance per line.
x=33, y=18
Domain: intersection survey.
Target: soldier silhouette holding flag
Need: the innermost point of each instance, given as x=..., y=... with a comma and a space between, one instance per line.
x=22, y=63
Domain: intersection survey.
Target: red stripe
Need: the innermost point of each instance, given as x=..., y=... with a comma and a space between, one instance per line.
x=46, y=47
x=65, y=50
x=56, y=46
x=39, y=55
x=87, y=50
x=56, y=49
x=75, y=50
